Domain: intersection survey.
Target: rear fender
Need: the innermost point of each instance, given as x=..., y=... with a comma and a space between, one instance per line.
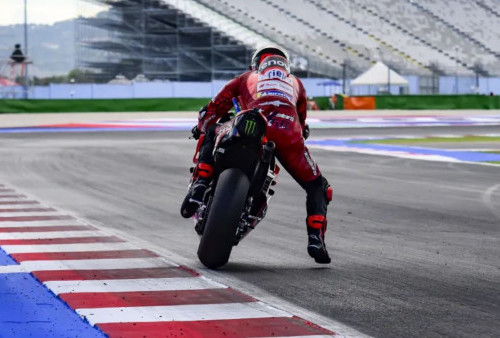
x=239, y=142
x=250, y=124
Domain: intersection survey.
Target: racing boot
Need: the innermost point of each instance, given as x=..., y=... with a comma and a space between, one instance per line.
x=194, y=197
x=316, y=228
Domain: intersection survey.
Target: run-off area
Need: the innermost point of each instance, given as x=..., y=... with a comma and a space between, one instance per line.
x=414, y=242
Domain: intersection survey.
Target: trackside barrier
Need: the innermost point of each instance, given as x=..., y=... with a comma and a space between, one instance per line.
x=359, y=102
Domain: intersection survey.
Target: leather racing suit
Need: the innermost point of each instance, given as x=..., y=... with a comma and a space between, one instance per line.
x=282, y=99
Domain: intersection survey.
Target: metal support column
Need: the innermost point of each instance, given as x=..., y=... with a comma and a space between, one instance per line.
x=26, y=76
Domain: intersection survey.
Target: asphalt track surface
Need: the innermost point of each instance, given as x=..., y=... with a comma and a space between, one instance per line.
x=415, y=244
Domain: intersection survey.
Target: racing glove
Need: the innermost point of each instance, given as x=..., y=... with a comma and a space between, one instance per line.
x=196, y=132
x=306, y=132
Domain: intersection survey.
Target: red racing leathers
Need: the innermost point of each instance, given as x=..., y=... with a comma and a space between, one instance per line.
x=281, y=97
x=286, y=120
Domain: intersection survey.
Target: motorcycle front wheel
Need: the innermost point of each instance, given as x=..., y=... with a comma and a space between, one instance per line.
x=224, y=214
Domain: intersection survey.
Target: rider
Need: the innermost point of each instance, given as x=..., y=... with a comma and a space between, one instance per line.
x=281, y=97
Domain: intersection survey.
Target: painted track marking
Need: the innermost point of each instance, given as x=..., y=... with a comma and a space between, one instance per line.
x=74, y=240
x=116, y=274
x=49, y=235
x=92, y=264
x=154, y=298
x=129, y=285
x=143, y=314
x=405, y=151
x=335, y=121
x=114, y=284
x=9, y=223
x=77, y=247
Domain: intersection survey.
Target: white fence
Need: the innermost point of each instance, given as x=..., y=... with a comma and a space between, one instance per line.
x=314, y=87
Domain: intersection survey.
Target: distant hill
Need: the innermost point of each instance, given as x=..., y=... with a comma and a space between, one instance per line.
x=51, y=47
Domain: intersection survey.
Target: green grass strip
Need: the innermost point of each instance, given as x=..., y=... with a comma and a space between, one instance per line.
x=437, y=102
x=101, y=105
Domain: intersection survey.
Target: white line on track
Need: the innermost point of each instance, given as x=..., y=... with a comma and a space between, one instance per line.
x=20, y=206
x=30, y=213
x=51, y=234
x=76, y=247
x=96, y=264
x=12, y=269
x=181, y=313
x=133, y=285
x=391, y=153
x=12, y=224
x=14, y=199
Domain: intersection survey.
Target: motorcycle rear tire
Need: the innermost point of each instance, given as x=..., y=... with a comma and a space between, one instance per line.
x=225, y=212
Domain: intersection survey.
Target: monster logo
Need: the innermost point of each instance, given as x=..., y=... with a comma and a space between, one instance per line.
x=250, y=127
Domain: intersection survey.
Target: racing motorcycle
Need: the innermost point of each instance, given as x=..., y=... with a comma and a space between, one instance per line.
x=236, y=199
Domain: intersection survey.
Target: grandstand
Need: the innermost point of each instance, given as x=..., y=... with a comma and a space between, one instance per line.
x=157, y=41
x=203, y=40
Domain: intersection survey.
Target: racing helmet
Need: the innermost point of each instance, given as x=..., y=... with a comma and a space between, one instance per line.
x=263, y=52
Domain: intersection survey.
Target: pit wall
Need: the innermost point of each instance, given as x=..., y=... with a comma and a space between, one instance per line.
x=194, y=104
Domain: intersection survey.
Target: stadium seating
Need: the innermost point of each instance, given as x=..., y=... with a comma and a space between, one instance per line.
x=269, y=20
x=408, y=35
x=471, y=19
x=324, y=37
x=455, y=39
x=490, y=6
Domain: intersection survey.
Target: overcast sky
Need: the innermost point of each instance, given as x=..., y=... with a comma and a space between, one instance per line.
x=44, y=11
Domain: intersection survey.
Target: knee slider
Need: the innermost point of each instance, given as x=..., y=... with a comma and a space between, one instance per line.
x=316, y=221
x=329, y=194
x=204, y=170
